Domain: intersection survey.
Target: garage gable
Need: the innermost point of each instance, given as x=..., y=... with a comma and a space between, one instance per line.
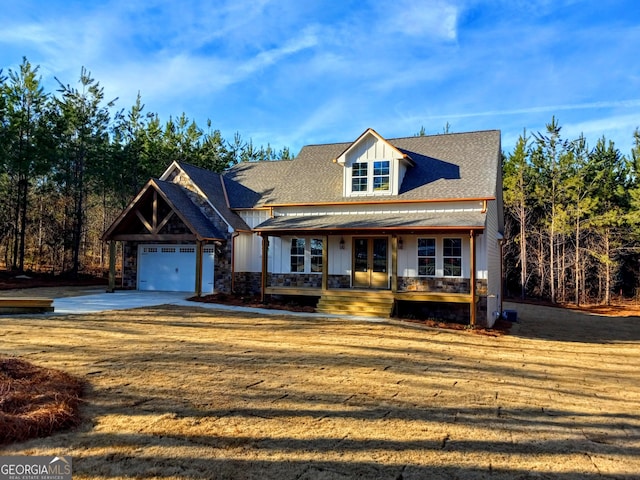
x=162, y=212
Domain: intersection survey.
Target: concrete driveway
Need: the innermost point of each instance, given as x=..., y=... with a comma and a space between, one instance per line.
x=100, y=302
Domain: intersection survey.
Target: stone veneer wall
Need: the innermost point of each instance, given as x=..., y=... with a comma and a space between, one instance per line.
x=441, y=285
x=339, y=281
x=130, y=269
x=222, y=266
x=295, y=280
x=447, y=311
x=248, y=283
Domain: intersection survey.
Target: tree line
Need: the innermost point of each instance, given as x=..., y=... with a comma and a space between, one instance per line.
x=70, y=162
x=571, y=218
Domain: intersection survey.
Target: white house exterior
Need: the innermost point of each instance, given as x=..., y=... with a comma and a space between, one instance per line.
x=415, y=220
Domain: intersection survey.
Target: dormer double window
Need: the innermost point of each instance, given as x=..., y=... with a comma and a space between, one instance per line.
x=369, y=177
x=373, y=166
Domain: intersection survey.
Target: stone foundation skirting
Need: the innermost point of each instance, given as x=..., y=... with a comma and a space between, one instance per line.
x=440, y=285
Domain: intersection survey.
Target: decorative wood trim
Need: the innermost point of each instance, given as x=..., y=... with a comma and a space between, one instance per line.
x=164, y=221
x=379, y=231
x=154, y=214
x=265, y=262
x=472, y=273
x=325, y=263
x=394, y=263
x=146, y=224
x=143, y=237
x=112, y=266
x=199, y=255
x=377, y=202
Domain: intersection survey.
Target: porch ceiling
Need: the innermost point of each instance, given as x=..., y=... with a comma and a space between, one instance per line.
x=401, y=222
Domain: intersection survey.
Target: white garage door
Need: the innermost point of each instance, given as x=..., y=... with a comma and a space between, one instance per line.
x=172, y=268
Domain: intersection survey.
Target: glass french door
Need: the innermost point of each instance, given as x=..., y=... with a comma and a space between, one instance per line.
x=371, y=262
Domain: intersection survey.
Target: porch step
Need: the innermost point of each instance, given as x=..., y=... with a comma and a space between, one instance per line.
x=357, y=303
x=25, y=305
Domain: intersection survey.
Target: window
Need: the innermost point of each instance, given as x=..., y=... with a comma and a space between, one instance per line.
x=381, y=175
x=359, y=177
x=316, y=255
x=427, y=256
x=306, y=256
x=452, y=257
x=297, y=255
x=371, y=177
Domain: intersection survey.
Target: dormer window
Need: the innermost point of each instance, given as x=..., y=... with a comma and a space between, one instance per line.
x=371, y=177
x=381, y=176
x=359, y=177
x=373, y=166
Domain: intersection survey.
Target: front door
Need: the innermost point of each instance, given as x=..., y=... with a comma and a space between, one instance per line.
x=370, y=262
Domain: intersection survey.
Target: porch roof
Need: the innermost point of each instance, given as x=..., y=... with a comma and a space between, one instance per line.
x=374, y=222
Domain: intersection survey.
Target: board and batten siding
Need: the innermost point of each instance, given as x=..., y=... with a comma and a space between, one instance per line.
x=380, y=208
x=494, y=261
x=370, y=149
x=248, y=246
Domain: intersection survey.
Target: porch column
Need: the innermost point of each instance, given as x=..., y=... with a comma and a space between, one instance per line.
x=394, y=263
x=112, y=266
x=472, y=248
x=199, y=252
x=325, y=263
x=265, y=265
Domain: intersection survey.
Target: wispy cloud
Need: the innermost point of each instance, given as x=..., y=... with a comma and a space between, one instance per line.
x=631, y=103
x=312, y=71
x=427, y=19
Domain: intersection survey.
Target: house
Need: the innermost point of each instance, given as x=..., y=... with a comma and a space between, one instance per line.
x=371, y=225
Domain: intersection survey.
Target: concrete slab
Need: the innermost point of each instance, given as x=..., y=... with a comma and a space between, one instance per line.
x=125, y=300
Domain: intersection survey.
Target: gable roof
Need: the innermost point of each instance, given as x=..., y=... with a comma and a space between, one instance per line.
x=370, y=132
x=445, y=167
x=179, y=202
x=212, y=186
x=378, y=222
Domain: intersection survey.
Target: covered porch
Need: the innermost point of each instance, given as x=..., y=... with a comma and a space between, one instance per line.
x=373, y=275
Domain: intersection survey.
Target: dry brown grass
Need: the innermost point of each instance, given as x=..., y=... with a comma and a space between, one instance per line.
x=35, y=401
x=179, y=393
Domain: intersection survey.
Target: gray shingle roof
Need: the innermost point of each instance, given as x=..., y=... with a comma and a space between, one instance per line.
x=196, y=220
x=375, y=221
x=451, y=166
x=252, y=184
x=211, y=185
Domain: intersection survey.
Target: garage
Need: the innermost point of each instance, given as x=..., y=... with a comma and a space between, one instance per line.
x=172, y=268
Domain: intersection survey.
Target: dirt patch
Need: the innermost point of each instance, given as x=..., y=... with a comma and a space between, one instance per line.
x=34, y=401
x=289, y=303
x=188, y=393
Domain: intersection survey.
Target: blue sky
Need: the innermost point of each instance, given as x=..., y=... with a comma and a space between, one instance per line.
x=293, y=72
